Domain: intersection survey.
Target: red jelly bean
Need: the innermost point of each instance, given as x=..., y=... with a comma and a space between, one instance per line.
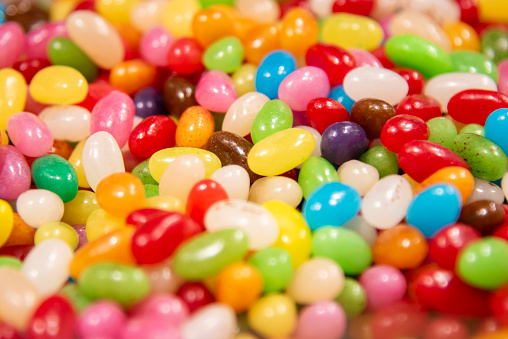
x=151, y=135
x=446, y=328
x=53, y=319
x=421, y=158
x=30, y=67
x=419, y=105
x=322, y=112
x=360, y=7
x=469, y=11
x=195, y=295
x=96, y=91
x=499, y=305
x=400, y=129
x=156, y=240
x=446, y=244
x=380, y=54
x=501, y=232
x=335, y=61
x=8, y=332
x=184, y=56
x=203, y=194
x=400, y=320
x=286, y=6
x=413, y=78
x=473, y=106
x=17, y=251
x=141, y=217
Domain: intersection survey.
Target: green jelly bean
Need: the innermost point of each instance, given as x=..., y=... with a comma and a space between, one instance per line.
x=275, y=266
x=8, y=261
x=315, y=171
x=224, y=55
x=64, y=52
x=494, y=44
x=486, y=159
x=218, y=119
x=273, y=117
x=72, y=293
x=382, y=159
x=474, y=62
x=208, y=3
x=143, y=173
x=352, y=298
x=411, y=51
x=483, y=263
x=473, y=129
x=207, y=254
x=442, y=131
x=55, y=174
x=347, y=248
x=123, y=284
x=151, y=190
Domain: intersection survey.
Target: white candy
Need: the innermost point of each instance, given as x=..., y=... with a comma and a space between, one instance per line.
x=235, y=181
x=67, y=122
x=181, y=175
x=214, y=321
x=241, y=113
x=39, y=206
x=485, y=190
x=359, y=175
x=276, y=188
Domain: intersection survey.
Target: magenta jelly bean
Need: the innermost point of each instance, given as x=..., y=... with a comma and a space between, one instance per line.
x=114, y=114
x=155, y=45
x=29, y=134
x=147, y=327
x=37, y=40
x=14, y=173
x=11, y=43
x=303, y=85
x=383, y=285
x=102, y=319
x=323, y=320
x=216, y=91
x=166, y=307
x=364, y=58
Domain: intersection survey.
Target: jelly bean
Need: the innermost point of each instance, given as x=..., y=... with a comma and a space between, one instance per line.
x=54, y=173
x=178, y=95
x=71, y=292
x=265, y=11
x=37, y=206
x=101, y=157
x=413, y=78
x=76, y=160
x=148, y=102
x=12, y=36
x=494, y=125
x=215, y=91
x=352, y=298
x=273, y=315
x=184, y=56
x=401, y=129
x=60, y=85
x=120, y=193
x=364, y=58
x=62, y=51
x=7, y=221
x=272, y=70
x=274, y=116
x=212, y=24
x=144, y=15
x=242, y=112
x=484, y=215
x=440, y=11
x=208, y=254
x=474, y=62
x=96, y=37
x=441, y=328
x=99, y=223
x=486, y=159
x=57, y=230
x=202, y=196
x=195, y=295
x=123, y=284
x=162, y=278
x=101, y=318
x=177, y=17
x=224, y=55
x=442, y=131
x=14, y=173
x=373, y=82
x=382, y=159
x=371, y=115
x=215, y=321
x=21, y=234
x=492, y=44
x=419, y=105
x=68, y=123
x=477, y=263
x=383, y=285
x=359, y=175
x=235, y=181
x=180, y=176
x=399, y=319
x=19, y=298
x=12, y=94
x=462, y=36
x=38, y=39
x=243, y=79
x=275, y=267
x=8, y=261
x=347, y=136
x=164, y=307
x=485, y=190
x=350, y=30
x=315, y=172
x=444, y=199
x=325, y=319
x=17, y=251
x=29, y=134
x=117, y=12
x=497, y=305
x=443, y=87
x=195, y=127
x=322, y=112
x=152, y=135
x=132, y=75
x=473, y=129
x=155, y=45
x=436, y=157
x=461, y=178
x=260, y=40
x=299, y=31
x=54, y=317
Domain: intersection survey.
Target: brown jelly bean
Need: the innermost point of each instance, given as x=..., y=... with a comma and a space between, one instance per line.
x=371, y=114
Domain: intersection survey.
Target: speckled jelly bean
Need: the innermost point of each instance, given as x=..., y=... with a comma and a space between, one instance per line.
x=29, y=134
x=442, y=131
x=349, y=30
x=215, y=91
x=12, y=36
x=272, y=70
x=14, y=172
x=195, y=127
x=485, y=190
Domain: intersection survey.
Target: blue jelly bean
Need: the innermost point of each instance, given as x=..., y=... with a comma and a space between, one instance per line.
x=331, y=204
x=434, y=208
x=343, y=141
x=337, y=93
x=496, y=127
x=148, y=102
x=2, y=13
x=274, y=67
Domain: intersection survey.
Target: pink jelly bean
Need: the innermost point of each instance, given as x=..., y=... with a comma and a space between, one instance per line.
x=502, y=85
x=303, y=85
x=324, y=320
x=101, y=319
x=146, y=327
x=155, y=45
x=37, y=40
x=14, y=173
x=29, y=134
x=166, y=307
x=114, y=114
x=11, y=43
x=216, y=91
x=383, y=285
x=364, y=58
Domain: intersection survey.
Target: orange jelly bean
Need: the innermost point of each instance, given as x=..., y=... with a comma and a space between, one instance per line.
x=120, y=193
x=211, y=24
x=239, y=285
x=402, y=246
x=457, y=176
x=259, y=41
x=130, y=35
x=195, y=127
x=299, y=31
x=21, y=233
x=462, y=36
x=132, y=75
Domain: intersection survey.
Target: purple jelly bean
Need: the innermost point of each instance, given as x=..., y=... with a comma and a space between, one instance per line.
x=148, y=102
x=343, y=141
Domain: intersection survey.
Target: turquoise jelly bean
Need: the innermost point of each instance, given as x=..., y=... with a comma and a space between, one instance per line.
x=338, y=93
x=496, y=127
x=274, y=67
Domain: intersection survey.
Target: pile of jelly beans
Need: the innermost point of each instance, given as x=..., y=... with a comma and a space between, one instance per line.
x=247, y=169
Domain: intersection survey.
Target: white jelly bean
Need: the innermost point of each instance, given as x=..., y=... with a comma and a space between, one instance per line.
x=241, y=113
x=67, y=122
x=214, y=321
x=39, y=206
x=276, y=188
x=359, y=175
x=235, y=181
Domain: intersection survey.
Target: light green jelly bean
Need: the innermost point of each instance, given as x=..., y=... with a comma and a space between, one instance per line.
x=483, y=264
x=224, y=55
x=273, y=117
x=207, y=254
x=124, y=284
x=474, y=62
x=486, y=159
x=411, y=51
x=8, y=261
x=382, y=159
x=442, y=131
x=72, y=293
x=151, y=190
x=473, y=129
x=143, y=173
x=275, y=266
x=347, y=248
x=352, y=298
x=315, y=171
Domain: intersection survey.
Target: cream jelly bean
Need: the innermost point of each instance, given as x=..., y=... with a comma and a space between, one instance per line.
x=242, y=112
x=276, y=188
x=67, y=122
x=235, y=181
x=38, y=206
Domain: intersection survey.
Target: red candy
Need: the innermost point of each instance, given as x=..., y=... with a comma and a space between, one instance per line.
x=360, y=7
x=446, y=328
x=400, y=129
x=399, y=320
x=473, y=106
x=322, y=112
x=96, y=91
x=140, y=217
x=419, y=105
x=184, y=56
x=30, y=67
x=380, y=54
x=195, y=295
x=335, y=61
x=151, y=135
x=54, y=319
x=8, y=332
x=202, y=196
x=499, y=305
x=413, y=78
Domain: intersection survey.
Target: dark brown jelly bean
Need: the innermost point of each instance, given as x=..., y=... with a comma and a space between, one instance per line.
x=371, y=115
x=178, y=95
x=484, y=215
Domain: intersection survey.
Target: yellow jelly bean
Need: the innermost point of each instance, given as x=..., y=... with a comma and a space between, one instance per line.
x=6, y=221
x=117, y=11
x=12, y=94
x=352, y=31
x=57, y=230
x=100, y=223
x=78, y=210
x=76, y=161
x=4, y=138
x=244, y=78
x=177, y=16
x=166, y=203
x=493, y=11
x=294, y=233
x=21, y=234
x=59, y=85
x=281, y=151
x=273, y=316
x=454, y=175
x=60, y=9
x=160, y=160
x=462, y=36
x=414, y=184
